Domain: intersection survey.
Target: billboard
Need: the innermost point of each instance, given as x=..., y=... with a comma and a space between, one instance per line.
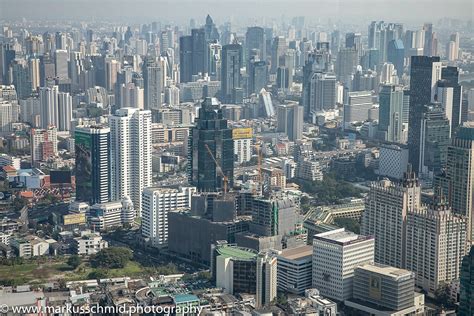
x=74, y=219
x=242, y=133
x=83, y=169
x=60, y=176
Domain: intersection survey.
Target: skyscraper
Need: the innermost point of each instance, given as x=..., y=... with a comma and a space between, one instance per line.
x=64, y=111
x=210, y=134
x=266, y=275
x=255, y=39
x=61, y=63
x=396, y=55
x=153, y=84
x=425, y=73
x=49, y=106
x=449, y=94
x=322, y=92
x=130, y=144
x=386, y=209
x=92, y=168
x=290, y=120
x=258, y=74
x=279, y=47
x=466, y=298
x=391, y=115
x=230, y=71
x=185, y=58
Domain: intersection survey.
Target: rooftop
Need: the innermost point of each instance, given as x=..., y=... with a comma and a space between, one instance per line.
x=235, y=252
x=297, y=253
x=386, y=270
x=341, y=237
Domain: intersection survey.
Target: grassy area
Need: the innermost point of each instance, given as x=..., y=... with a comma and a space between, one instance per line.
x=85, y=271
x=32, y=272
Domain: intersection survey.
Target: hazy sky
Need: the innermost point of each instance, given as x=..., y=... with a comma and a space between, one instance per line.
x=182, y=10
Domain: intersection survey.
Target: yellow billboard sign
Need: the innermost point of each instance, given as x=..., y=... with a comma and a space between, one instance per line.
x=74, y=219
x=241, y=133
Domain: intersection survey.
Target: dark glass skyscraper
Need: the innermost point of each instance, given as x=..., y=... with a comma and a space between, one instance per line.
x=185, y=58
x=424, y=74
x=255, y=39
x=258, y=75
x=230, y=70
x=450, y=79
x=92, y=146
x=210, y=133
x=466, y=299
x=396, y=55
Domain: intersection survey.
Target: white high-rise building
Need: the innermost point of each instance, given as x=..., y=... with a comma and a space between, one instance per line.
x=436, y=244
x=49, y=106
x=34, y=66
x=64, y=111
x=386, y=209
x=131, y=96
x=131, y=149
x=156, y=203
x=243, y=149
x=8, y=115
x=266, y=279
x=61, y=63
x=336, y=254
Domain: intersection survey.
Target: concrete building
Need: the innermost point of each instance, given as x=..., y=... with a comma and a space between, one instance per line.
x=44, y=144
x=157, y=203
x=386, y=209
x=393, y=161
x=89, y=243
x=290, y=120
x=309, y=170
x=266, y=275
x=104, y=216
x=295, y=270
x=9, y=112
x=312, y=304
x=336, y=254
x=385, y=290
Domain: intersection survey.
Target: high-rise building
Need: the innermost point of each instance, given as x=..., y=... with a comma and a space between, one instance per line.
x=255, y=39
x=258, y=76
x=9, y=112
x=396, y=55
x=358, y=107
x=322, y=92
x=64, y=111
x=153, y=85
x=131, y=150
x=346, y=63
x=425, y=73
x=466, y=297
x=49, y=106
x=156, y=204
x=185, y=58
x=386, y=209
x=210, y=134
x=391, y=114
x=435, y=244
x=336, y=254
x=460, y=175
x=44, y=144
x=230, y=71
x=434, y=141
x=266, y=275
x=449, y=94
x=92, y=169
x=290, y=120
x=61, y=63
x=294, y=269
x=428, y=36
x=34, y=67
x=279, y=48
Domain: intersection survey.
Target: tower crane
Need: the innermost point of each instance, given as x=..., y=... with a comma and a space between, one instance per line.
x=218, y=168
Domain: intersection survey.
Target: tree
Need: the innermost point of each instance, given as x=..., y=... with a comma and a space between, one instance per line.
x=111, y=258
x=97, y=274
x=348, y=223
x=74, y=261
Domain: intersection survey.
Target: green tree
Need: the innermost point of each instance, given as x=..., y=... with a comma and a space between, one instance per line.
x=97, y=274
x=74, y=261
x=111, y=258
x=348, y=223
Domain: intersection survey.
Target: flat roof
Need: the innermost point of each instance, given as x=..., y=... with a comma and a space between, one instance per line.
x=386, y=270
x=240, y=253
x=184, y=298
x=297, y=253
x=342, y=237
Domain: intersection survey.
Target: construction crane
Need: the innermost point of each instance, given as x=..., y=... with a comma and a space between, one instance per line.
x=218, y=168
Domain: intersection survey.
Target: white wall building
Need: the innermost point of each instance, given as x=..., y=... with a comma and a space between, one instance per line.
x=393, y=161
x=243, y=149
x=103, y=216
x=89, y=243
x=295, y=269
x=336, y=254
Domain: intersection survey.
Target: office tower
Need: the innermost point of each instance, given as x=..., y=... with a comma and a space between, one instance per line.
x=391, y=115
x=396, y=55
x=61, y=64
x=112, y=67
x=185, y=58
x=156, y=204
x=49, y=106
x=460, y=174
x=199, y=51
x=7, y=55
x=8, y=114
x=258, y=75
x=428, y=36
x=210, y=134
x=44, y=144
x=335, y=41
x=358, y=107
x=92, y=169
x=386, y=209
x=321, y=94
x=279, y=48
x=61, y=40
x=34, y=67
x=365, y=81
x=290, y=120
x=466, y=297
x=273, y=215
x=380, y=35
x=131, y=96
x=64, y=111
x=380, y=289
x=266, y=274
x=434, y=141
x=230, y=70
x=255, y=39
x=265, y=102
x=346, y=63
x=283, y=78
x=76, y=68
x=393, y=161
x=172, y=95
x=47, y=69
x=336, y=254
x=354, y=41
x=153, y=84
x=388, y=74
x=452, y=47
x=435, y=244
x=210, y=30
x=425, y=73
x=214, y=58
x=449, y=94
x=21, y=78
x=131, y=149
x=233, y=268
x=294, y=269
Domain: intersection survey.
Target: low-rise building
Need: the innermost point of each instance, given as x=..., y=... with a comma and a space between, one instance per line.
x=89, y=243
x=103, y=216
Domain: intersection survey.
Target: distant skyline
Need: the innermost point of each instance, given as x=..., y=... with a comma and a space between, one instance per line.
x=408, y=11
